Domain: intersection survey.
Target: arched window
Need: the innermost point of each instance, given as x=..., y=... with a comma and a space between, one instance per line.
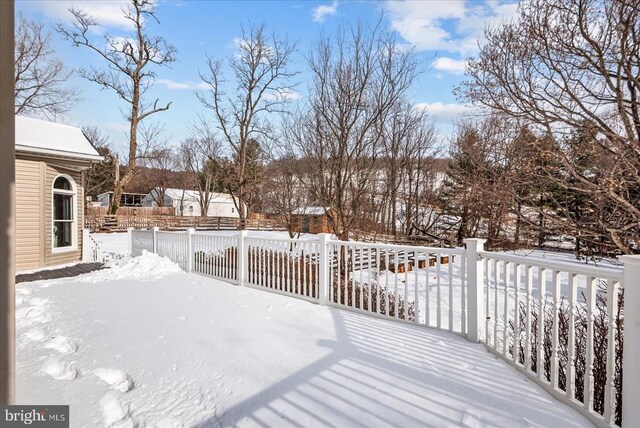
x=64, y=212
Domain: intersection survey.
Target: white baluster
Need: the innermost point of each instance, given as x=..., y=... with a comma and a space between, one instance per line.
x=541, y=299
x=554, y=335
x=516, y=314
x=588, y=376
x=610, y=385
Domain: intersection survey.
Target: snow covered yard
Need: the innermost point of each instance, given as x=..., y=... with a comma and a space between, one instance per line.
x=145, y=343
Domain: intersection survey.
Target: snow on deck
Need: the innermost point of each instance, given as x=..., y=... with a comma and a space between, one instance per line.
x=145, y=343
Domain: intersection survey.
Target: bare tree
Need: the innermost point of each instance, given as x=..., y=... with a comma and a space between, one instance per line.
x=285, y=191
x=40, y=86
x=357, y=81
x=201, y=155
x=260, y=69
x=567, y=65
x=99, y=178
x=482, y=179
x=160, y=160
x=408, y=150
x=127, y=73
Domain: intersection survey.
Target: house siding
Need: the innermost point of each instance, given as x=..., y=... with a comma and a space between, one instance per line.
x=29, y=224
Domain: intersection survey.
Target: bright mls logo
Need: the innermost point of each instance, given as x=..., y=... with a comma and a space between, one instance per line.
x=34, y=416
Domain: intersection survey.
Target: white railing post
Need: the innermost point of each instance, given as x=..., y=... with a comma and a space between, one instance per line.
x=475, y=290
x=98, y=254
x=242, y=256
x=130, y=238
x=155, y=230
x=323, y=266
x=190, y=231
x=86, y=246
x=631, y=353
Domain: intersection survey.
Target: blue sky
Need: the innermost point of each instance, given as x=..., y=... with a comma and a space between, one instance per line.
x=443, y=33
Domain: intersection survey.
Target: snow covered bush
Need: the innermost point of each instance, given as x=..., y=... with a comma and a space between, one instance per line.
x=223, y=263
x=365, y=296
x=297, y=273
x=600, y=343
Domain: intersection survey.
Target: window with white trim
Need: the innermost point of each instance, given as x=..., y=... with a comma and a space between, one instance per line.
x=64, y=196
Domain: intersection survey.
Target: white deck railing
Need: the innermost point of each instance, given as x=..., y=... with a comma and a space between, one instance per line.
x=560, y=323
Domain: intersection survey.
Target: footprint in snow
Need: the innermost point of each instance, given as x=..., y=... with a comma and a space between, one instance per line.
x=33, y=314
x=116, y=413
x=59, y=370
x=62, y=344
x=37, y=334
x=21, y=291
x=116, y=379
x=39, y=301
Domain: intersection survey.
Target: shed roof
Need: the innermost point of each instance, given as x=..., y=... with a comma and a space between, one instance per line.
x=53, y=139
x=309, y=211
x=193, y=195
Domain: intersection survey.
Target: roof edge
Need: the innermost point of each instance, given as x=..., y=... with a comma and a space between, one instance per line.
x=58, y=153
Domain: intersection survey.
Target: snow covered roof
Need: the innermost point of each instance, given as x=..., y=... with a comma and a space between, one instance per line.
x=193, y=195
x=309, y=211
x=54, y=139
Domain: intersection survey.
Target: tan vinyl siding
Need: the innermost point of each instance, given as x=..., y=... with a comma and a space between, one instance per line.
x=52, y=258
x=29, y=224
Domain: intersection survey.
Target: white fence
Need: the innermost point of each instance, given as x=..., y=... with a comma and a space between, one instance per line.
x=91, y=251
x=560, y=323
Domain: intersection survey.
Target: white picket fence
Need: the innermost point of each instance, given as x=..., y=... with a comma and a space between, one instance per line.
x=497, y=299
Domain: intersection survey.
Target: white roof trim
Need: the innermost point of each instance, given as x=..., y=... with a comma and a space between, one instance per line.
x=58, y=153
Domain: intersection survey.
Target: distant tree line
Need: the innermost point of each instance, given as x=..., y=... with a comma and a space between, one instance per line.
x=553, y=154
x=560, y=150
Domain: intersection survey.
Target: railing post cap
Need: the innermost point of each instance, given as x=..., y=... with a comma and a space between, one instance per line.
x=477, y=241
x=191, y=229
x=244, y=232
x=630, y=260
x=156, y=227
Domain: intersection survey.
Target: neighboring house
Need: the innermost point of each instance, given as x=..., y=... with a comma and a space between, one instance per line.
x=311, y=220
x=50, y=160
x=126, y=199
x=187, y=203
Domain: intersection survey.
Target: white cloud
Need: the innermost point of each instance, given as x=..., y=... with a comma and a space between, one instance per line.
x=181, y=86
x=320, y=12
x=445, y=113
x=106, y=13
x=452, y=26
x=450, y=65
x=116, y=127
x=283, y=95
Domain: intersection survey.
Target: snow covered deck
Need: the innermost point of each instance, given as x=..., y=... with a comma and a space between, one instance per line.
x=149, y=344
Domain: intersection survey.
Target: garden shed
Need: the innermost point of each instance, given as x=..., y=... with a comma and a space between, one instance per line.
x=311, y=220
